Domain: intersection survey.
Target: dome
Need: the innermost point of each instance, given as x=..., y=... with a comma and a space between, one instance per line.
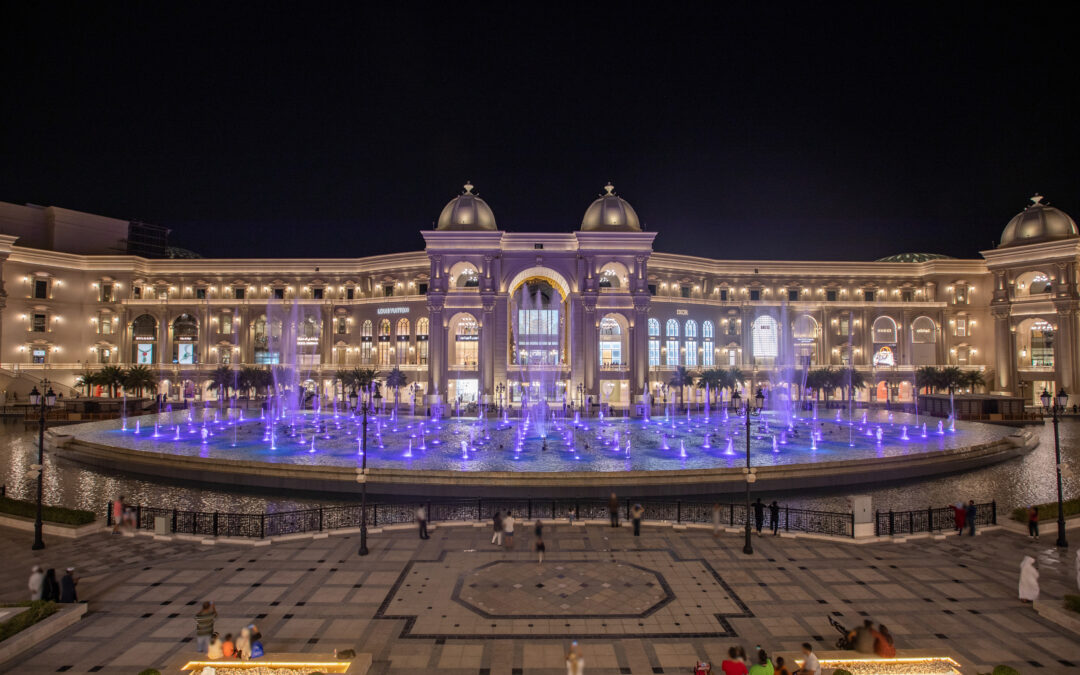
x=466, y=212
x=610, y=213
x=1036, y=223
x=914, y=257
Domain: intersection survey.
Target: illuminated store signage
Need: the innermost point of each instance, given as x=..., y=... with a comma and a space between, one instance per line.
x=392, y=310
x=185, y=353
x=307, y=340
x=144, y=354
x=681, y=312
x=144, y=338
x=884, y=357
x=403, y=338
x=467, y=338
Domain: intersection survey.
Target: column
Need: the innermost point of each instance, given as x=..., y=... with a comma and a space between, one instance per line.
x=326, y=338
x=639, y=348
x=1004, y=355
x=487, y=344
x=437, y=349
x=125, y=335
x=591, y=370
x=1065, y=345
x=164, y=344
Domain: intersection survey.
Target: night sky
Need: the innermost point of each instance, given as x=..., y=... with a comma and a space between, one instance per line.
x=308, y=129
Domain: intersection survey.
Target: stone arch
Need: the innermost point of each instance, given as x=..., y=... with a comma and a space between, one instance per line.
x=557, y=280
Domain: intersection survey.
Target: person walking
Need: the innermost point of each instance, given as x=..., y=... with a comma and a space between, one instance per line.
x=774, y=517
x=575, y=662
x=497, y=526
x=716, y=520
x=959, y=516
x=636, y=512
x=50, y=588
x=538, y=529
x=759, y=515
x=969, y=515
x=67, y=586
x=613, y=509
x=37, y=581
x=540, y=548
x=1029, y=580
x=117, y=514
x=508, y=530
x=1033, y=522
x=421, y=521
x=204, y=626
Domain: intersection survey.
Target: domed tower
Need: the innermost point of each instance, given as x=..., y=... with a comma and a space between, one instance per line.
x=1037, y=223
x=466, y=212
x=610, y=213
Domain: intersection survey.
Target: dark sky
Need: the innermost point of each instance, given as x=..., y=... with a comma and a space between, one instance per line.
x=307, y=129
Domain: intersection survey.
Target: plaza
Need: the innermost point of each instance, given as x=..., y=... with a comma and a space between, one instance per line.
x=460, y=605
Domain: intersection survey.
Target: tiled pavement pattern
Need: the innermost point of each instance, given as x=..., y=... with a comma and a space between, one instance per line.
x=409, y=602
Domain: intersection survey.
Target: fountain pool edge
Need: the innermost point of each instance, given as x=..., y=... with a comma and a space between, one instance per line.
x=527, y=484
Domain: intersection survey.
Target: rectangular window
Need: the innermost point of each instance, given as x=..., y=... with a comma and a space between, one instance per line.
x=163, y=294
x=707, y=355
x=654, y=353
x=652, y=289
x=226, y=324
x=317, y=293
x=105, y=324
x=279, y=293
x=755, y=295
x=384, y=353
x=38, y=355
x=830, y=296
x=907, y=296
x=200, y=293
x=691, y=353
x=868, y=296
x=672, y=352
x=723, y=294
x=961, y=327
x=388, y=290
x=238, y=293
x=842, y=326
x=792, y=295
x=684, y=291
x=342, y=325
x=136, y=292
x=38, y=323
x=610, y=353
x=41, y=288
x=350, y=293
x=422, y=351
x=421, y=289
x=106, y=292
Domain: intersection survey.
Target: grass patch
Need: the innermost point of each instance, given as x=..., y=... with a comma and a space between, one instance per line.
x=37, y=611
x=52, y=514
x=1047, y=511
x=1072, y=603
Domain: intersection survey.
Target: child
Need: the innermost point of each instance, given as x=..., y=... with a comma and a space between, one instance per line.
x=228, y=647
x=540, y=551
x=216, y=649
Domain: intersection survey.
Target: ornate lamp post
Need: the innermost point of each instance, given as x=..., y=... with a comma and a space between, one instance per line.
x=48, y=400
x=375, y=398
x=1052, y=403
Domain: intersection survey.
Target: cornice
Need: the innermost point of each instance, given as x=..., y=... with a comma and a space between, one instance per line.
x=812, y=268
x=1032, y=253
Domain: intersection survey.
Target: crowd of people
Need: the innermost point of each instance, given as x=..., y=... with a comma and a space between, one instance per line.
x=739, y=663
x=248, y=645
x=45, y=586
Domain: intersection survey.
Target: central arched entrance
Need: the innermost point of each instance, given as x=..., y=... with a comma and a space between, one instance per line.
x=537, y=340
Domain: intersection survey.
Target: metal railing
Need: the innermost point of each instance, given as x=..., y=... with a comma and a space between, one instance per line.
x=323, y=518
x=889, y=523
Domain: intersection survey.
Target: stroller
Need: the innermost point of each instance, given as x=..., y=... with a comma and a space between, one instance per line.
x=843, y=642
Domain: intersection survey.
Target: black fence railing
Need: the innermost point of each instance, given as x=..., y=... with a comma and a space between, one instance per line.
x=889, y=523
x=261, y=525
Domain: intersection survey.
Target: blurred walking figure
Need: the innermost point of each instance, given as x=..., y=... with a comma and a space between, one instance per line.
x=421, y=521
x=575, y=662
x=540, y=548
x=774, y=517
x=1029, y=580
x=117, y=514
x=508, y=530
x=716, y=520
x=969, y=514
x=204, y=626
x=959, y=516
x=613, y=510
x=1033, y=522
x=635, y=516
x=759, y=515
x=497, y=525
x=37, y=581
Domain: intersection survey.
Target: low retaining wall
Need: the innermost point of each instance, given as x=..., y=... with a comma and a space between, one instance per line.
x=50, y=529
x=41, y=631
x=525, y=484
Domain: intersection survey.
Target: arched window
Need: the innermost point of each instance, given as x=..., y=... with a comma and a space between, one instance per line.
x=884, y=330
x=672, y=330
x=804, y=337
x=466, y=332
x=267, y=338
x=708, y=357
x=385, y=347
x=422, y=341
x=185, y=337
x=764, y=338
x=610, y=342
x=654, y=343
x=143, y=338
x=403, y=340
x=924, y=334
x=367, y=345
x=691, y=343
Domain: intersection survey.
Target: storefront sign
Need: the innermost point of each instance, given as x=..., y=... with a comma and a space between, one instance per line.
x=144, y=354
x=403, y=338
x=682, y=312
x=144, y=338
x=884, y=356
x=467, y=338
x=307, y=340
x=392, y=310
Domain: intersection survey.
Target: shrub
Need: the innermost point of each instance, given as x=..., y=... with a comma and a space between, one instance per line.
x=1005, y=670
x=36, y=611
x=53, y=514
x=841, y=671
x=1072, y=602
x=1047, y=511
x=150, y=671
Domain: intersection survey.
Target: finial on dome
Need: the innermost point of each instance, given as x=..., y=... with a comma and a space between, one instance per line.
x=609, y=188
x=468, y=187
x=1037, y=200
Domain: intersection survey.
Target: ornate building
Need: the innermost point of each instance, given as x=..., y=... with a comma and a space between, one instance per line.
x=489, y=314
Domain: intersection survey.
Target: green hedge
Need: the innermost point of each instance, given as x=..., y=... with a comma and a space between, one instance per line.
x=1047, y=511
x=1072, y=603
x=38, y=610
x=53, y=514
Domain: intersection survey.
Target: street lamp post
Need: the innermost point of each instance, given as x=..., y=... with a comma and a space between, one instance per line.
x=48, y=400
x=1053, y=403
x=375, y=398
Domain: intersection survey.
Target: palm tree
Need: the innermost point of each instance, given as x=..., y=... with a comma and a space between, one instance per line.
x=263, y=379
x=682, y=378
x=929, y=378
x=396, y=379
x=139, y=378
x=735, y=378
x=222, y=379
x=851, y=380
x=973, y=379
x=111, y=377
x=88, y=379
x=246, y=379
x=363, y=377
x=348, y=383
x=710, y=381
x=952, y=378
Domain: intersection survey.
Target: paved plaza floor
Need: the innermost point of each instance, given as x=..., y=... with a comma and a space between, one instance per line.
x=457, y=604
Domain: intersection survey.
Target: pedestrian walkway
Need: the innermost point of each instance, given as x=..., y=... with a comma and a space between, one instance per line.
x=457, y=604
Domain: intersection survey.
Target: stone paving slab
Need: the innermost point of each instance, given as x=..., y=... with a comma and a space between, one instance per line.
x=452, y=604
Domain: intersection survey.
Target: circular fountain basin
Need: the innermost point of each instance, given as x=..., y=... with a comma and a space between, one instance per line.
x=468, y=456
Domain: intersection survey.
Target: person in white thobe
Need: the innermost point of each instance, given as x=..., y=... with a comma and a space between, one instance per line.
x=1029, y=580
x=36, y=579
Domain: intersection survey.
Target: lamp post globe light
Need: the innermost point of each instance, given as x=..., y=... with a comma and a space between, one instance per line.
x=46, y=401
x=1052, y=404
x=375, y=398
